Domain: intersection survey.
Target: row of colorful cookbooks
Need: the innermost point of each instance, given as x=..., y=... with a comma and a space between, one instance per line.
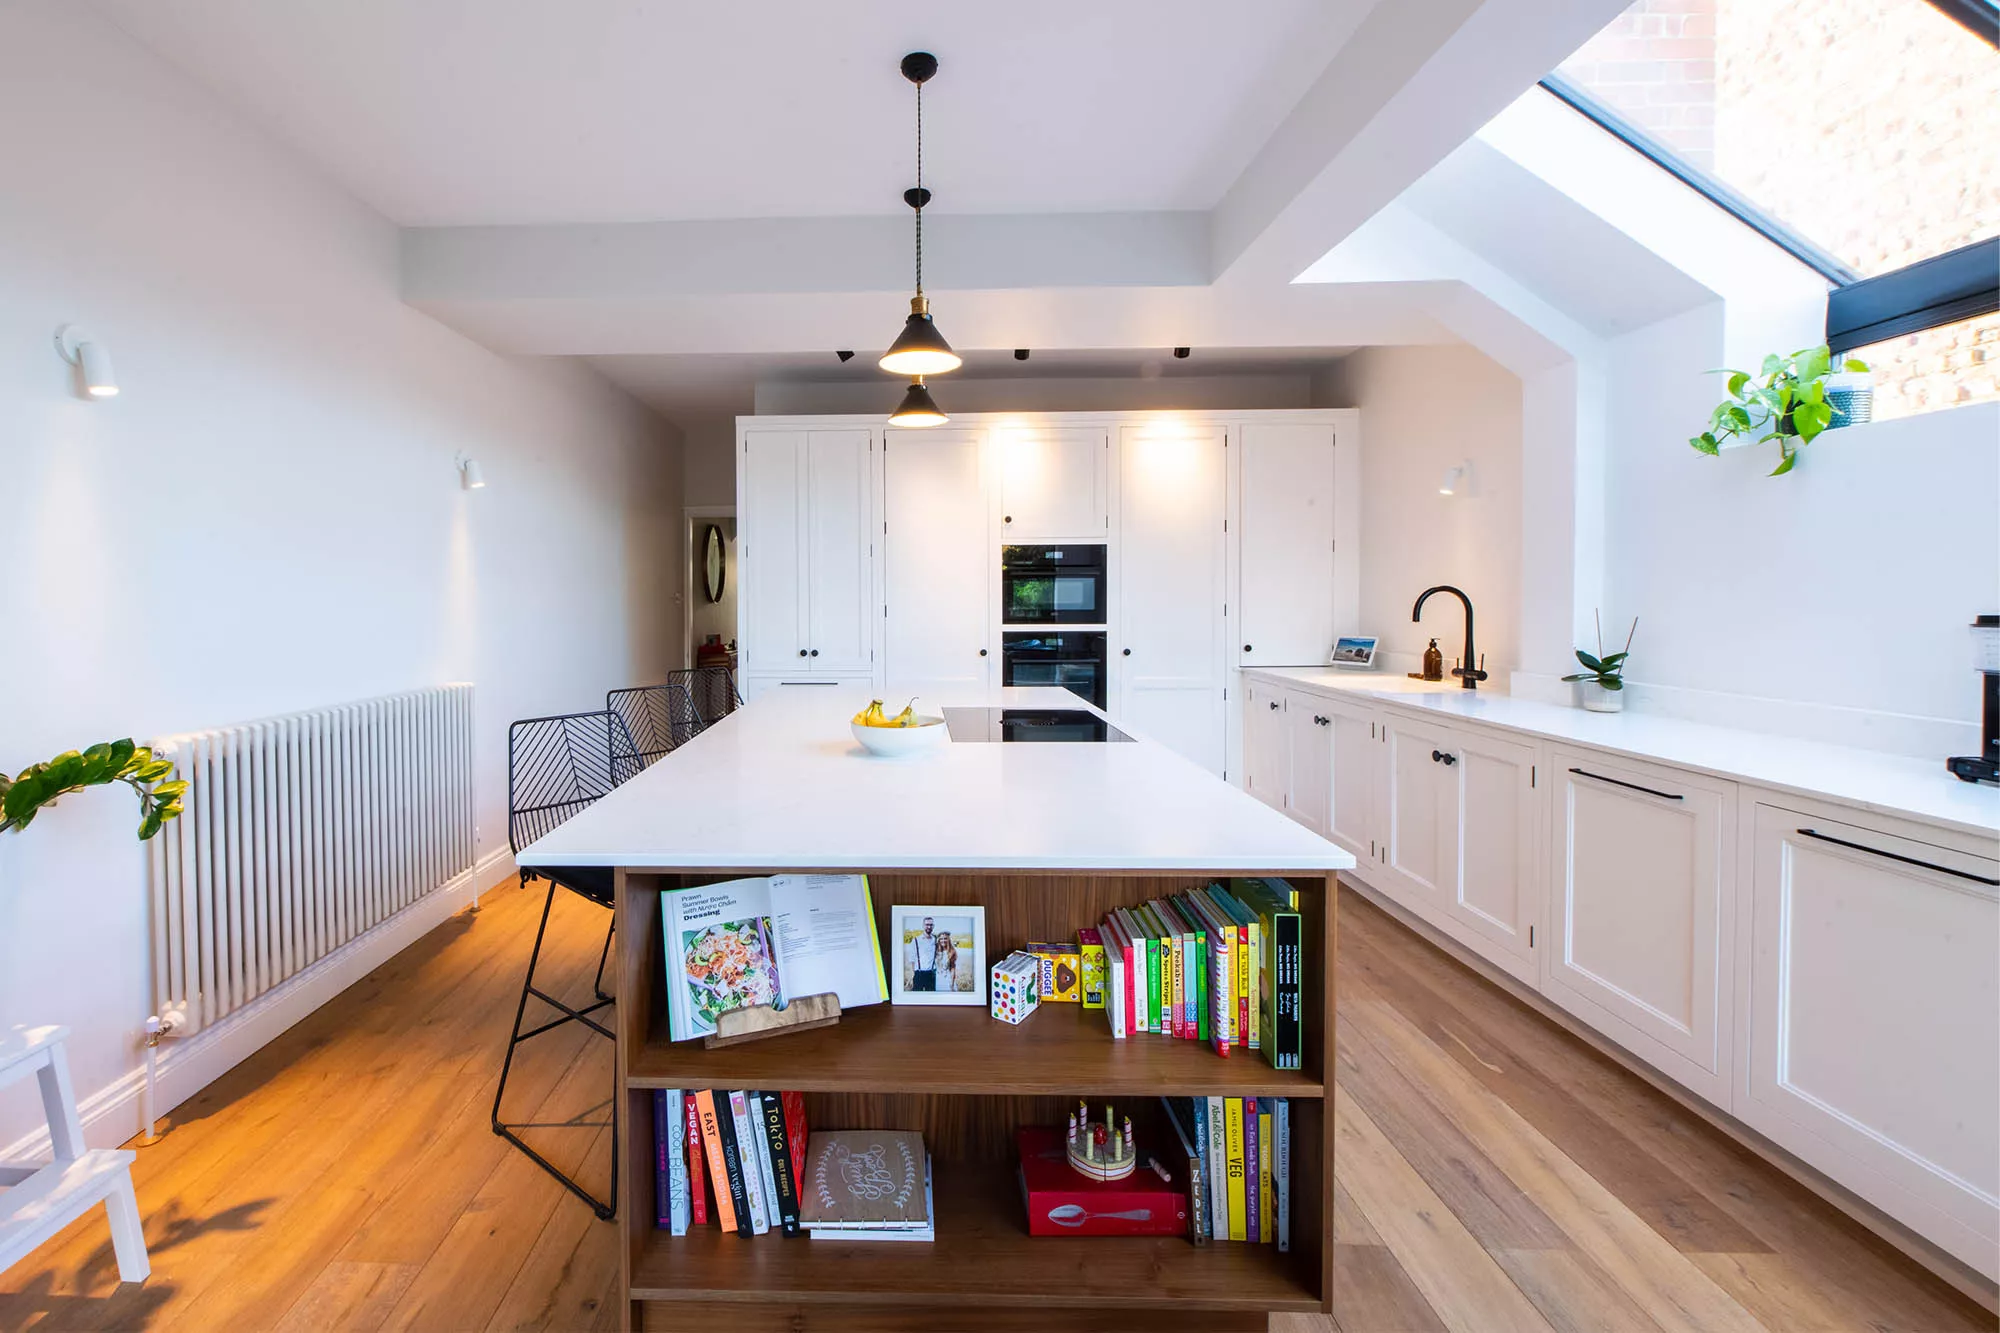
x=1220, y=964
x=1238, y=1154
x=746, y=1161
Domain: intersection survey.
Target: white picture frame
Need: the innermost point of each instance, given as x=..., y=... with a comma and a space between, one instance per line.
x=962, y=980
x=1354, y=651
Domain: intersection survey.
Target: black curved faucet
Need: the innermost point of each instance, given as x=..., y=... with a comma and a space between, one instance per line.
x=1471, y=669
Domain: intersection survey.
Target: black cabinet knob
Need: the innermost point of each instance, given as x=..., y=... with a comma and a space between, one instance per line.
x=1274, y=706
x=815, y=652
x=1441, y=757
x=802, y=652
x=1008, y=519
x=982, y=652
x=1128, y=652
x=1247, y=648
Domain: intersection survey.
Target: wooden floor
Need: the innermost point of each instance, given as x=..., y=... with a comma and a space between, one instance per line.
x=1494, y=1175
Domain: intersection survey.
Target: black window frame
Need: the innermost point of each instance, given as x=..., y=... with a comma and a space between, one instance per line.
x=1931, y=293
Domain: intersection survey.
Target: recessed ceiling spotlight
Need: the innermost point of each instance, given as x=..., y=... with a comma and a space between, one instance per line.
x=845, y=357
x=1020, y=354
x=1181, y=353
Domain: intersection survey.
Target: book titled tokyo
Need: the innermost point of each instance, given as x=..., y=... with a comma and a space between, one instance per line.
x=777, y=1149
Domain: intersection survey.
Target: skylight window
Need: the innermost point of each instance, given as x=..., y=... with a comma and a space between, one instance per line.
x=1858, y=133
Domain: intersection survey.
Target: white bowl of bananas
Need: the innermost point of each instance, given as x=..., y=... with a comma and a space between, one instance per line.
x=908, y=732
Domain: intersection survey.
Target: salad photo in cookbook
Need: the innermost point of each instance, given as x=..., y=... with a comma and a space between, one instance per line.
x=767, y=941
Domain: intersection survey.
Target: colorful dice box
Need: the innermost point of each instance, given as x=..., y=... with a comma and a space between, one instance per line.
x=1090, y=946
x=1015, y=990
x=1062, y=971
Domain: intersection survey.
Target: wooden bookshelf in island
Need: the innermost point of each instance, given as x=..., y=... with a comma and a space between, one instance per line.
x=1051, y=840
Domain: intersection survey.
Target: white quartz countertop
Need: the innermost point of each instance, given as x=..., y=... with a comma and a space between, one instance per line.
x=782, y=785
x=1886, y=783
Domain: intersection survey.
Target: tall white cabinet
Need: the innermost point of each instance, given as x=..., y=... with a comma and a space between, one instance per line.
x=1170, y=559
x=937, y=622
x=1286, y=516
x=806, y=515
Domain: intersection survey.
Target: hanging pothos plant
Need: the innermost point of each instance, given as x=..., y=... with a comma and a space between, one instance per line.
x=1785, y=402
x=39, y=785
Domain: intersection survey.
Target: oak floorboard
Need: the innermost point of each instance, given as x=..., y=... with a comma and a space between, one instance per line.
x=1678, y=1296
x=1376, y=1295
x=1459, y=1280
x=348, y=1296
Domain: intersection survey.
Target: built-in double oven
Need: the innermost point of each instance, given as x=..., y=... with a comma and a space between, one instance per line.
x=1054, y=618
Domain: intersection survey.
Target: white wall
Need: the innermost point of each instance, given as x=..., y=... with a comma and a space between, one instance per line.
x=1423, y=410
x=268, y=517
x=1833, y=601
x=709, y=461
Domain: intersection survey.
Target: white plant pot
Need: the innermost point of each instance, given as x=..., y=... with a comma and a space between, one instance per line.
x=1597, y=699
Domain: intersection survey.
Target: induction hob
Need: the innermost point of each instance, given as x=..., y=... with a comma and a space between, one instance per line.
x=1030, y=725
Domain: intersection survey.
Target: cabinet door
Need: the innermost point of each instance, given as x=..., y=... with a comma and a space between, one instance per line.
x=1052, y=483
x=1309, y=791
x=1287, y=546
x=1357, y=767
x=1492, y=850
x=1642, y=898
x=1265, y=758
x=938, y=568
x=840, y=566
x=771, y=551
x=1872, y=1046
x=1421, y=803
x=1168, y=599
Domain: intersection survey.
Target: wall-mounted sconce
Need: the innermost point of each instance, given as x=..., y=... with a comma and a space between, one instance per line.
x=92, y=362
x=1457, y=480
x=469, y=476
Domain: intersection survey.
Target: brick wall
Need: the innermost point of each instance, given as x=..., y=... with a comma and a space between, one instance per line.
x=1865, y=125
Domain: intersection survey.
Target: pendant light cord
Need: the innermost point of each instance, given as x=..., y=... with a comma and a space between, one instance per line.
x=920, y=186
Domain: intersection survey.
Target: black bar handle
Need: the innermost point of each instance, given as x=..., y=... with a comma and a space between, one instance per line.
x=1895, y=856
x=1629, y=786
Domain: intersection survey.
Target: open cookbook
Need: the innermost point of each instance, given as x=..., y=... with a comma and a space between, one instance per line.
x=768, y=941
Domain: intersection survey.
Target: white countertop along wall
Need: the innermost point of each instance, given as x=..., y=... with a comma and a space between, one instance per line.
x=1886, y=783
x=781, y=784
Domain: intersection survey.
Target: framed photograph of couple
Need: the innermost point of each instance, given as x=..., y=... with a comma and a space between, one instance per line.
x=940, y=955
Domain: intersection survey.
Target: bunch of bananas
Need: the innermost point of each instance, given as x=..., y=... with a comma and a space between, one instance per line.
x=873, y=716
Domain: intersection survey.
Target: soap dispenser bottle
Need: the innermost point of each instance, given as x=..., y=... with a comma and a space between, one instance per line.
x=1433, y=662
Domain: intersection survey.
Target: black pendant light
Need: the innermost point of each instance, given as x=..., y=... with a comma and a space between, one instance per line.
x=917, y=409
x=919, y=349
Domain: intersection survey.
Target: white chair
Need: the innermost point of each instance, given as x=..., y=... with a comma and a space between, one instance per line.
x=37, y=1202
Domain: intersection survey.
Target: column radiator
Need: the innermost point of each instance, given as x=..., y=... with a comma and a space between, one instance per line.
x=301, y=833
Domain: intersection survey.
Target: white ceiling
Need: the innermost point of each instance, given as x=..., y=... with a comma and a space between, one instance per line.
x=442, y=112
x=700, y=384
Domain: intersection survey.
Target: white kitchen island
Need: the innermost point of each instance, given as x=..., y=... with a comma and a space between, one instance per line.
x=1047, y=838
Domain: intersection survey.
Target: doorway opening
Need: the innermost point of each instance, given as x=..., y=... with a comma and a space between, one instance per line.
x=709, y=594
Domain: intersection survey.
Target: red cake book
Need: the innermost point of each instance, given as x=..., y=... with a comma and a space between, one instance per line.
x=1061, y=1202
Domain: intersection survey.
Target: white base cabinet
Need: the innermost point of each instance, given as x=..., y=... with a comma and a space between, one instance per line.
x=1640, y=908
x=1872, y=1023
x=1460, y=836
x=1829, y=976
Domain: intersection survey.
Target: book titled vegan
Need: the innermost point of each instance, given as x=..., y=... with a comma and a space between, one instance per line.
x=766, y=941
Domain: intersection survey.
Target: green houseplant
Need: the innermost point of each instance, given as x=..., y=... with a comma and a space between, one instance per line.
x=39, y=785
x=1603, y=676
x=1786, y=401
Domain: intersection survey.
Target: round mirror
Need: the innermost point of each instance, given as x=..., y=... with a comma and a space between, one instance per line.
x=712, y=562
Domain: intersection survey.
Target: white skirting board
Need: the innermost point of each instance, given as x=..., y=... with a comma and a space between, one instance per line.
x=111, y=1115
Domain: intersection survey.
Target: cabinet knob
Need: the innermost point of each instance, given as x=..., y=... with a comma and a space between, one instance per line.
x=1008, y=519
x=1248, y=649
x=1439, y=756
x=982, y=652
x=815, y=652
x=1128, y=652
x=802, y=652
x=1274, y=705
